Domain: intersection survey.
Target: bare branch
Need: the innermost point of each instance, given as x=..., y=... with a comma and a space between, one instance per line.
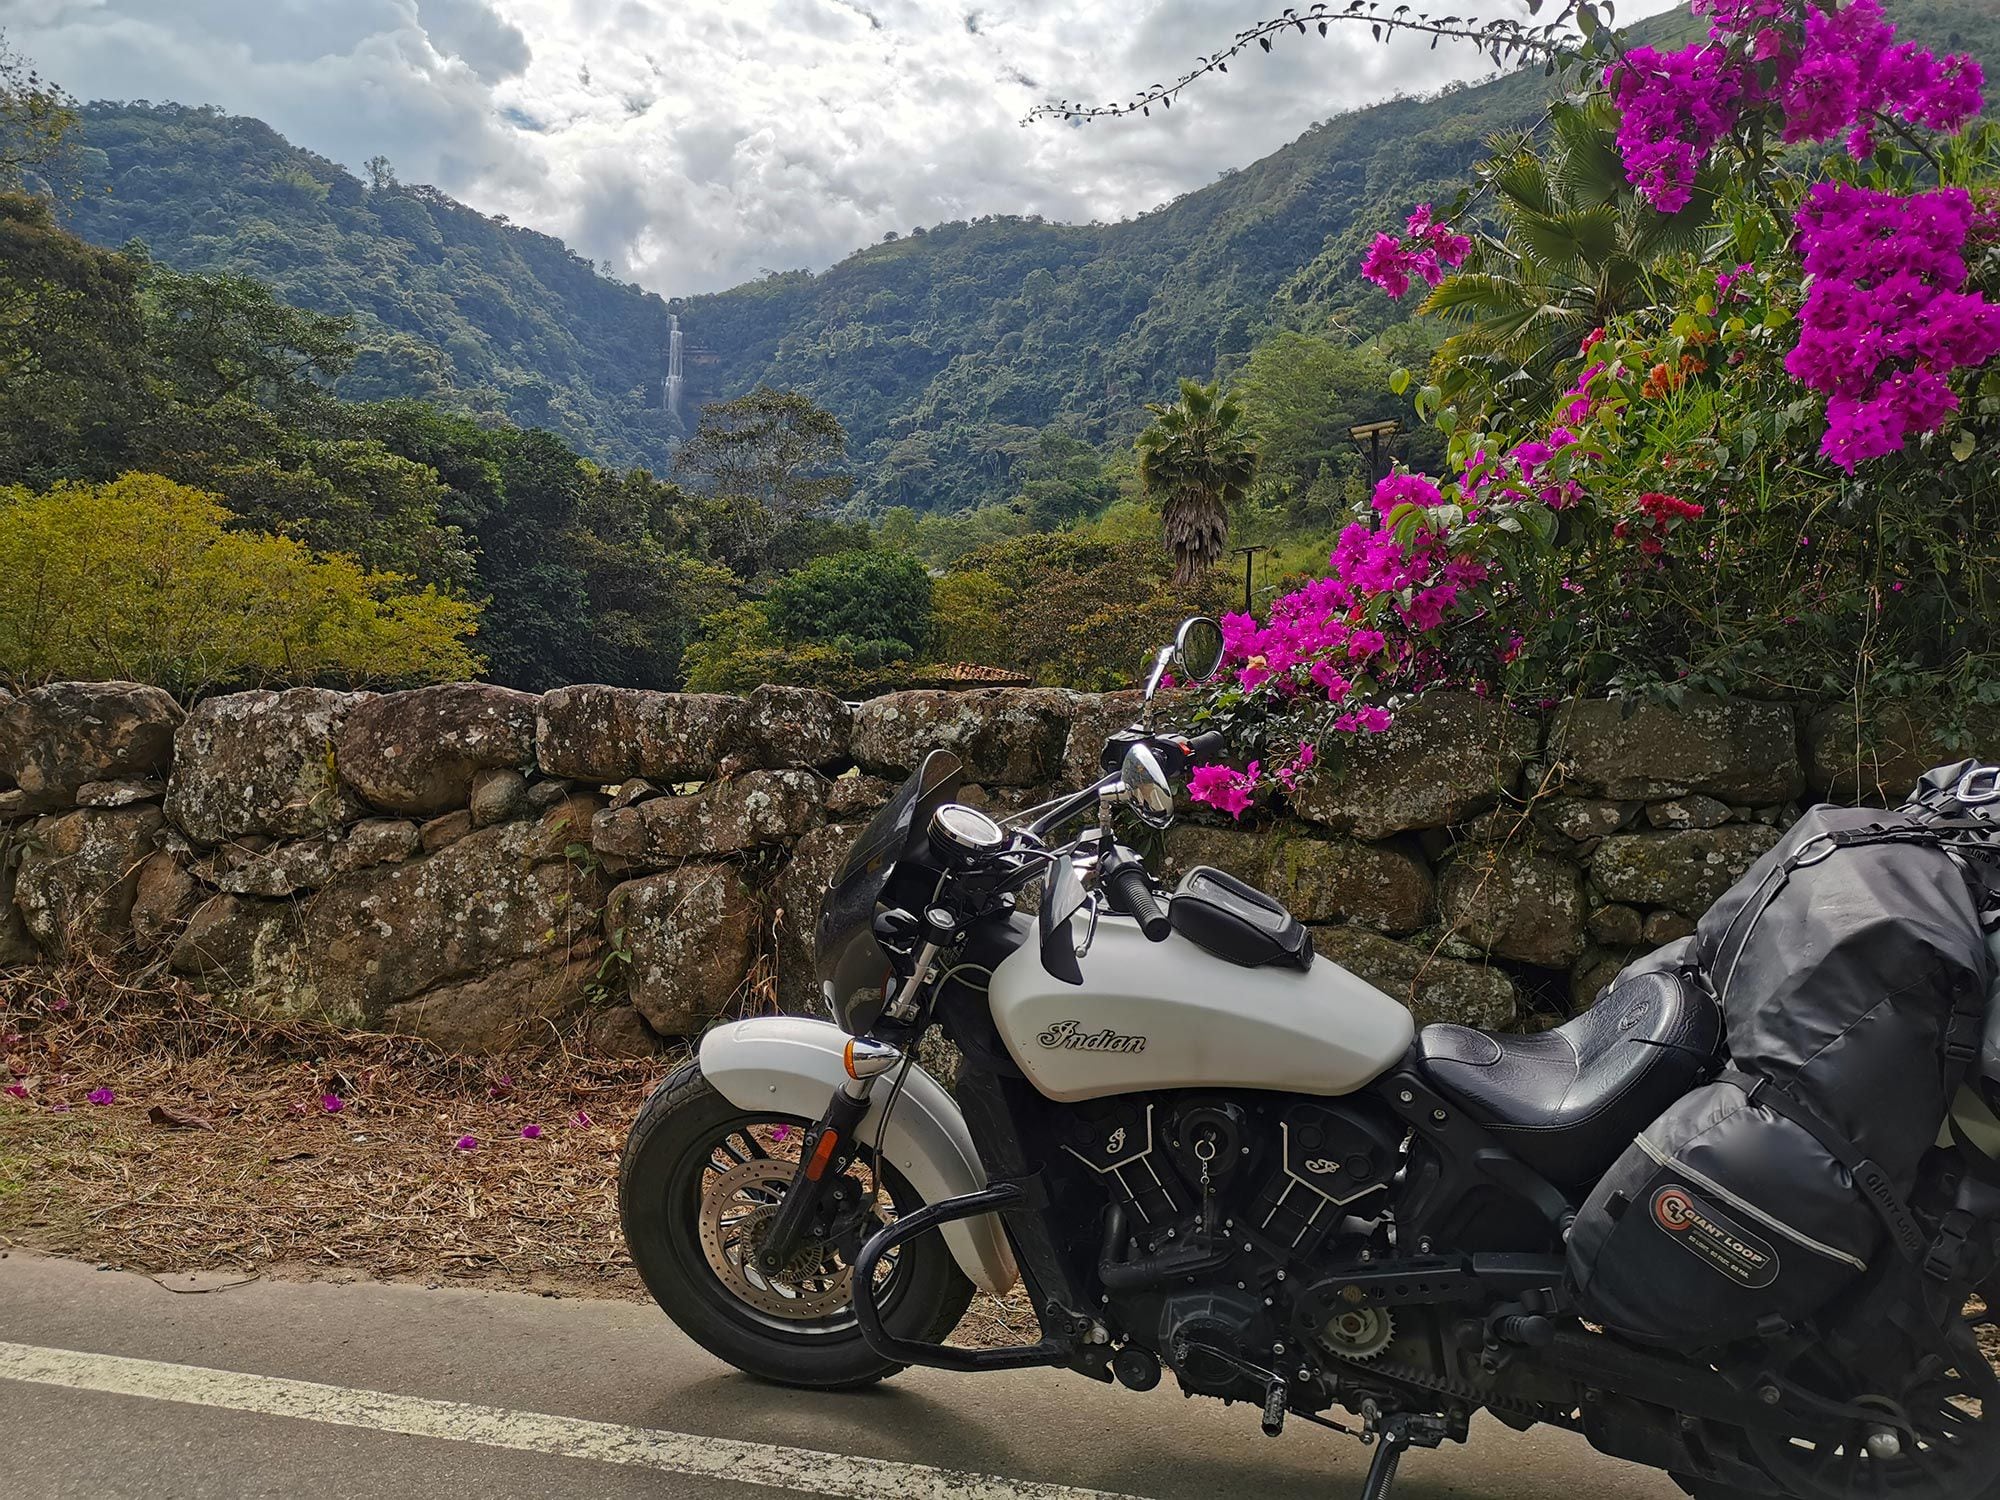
x=1504, y=41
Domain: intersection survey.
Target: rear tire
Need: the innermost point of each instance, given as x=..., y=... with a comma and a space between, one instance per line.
x=670, y=1154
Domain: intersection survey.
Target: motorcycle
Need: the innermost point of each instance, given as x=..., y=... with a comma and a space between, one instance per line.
x=1206, y=1153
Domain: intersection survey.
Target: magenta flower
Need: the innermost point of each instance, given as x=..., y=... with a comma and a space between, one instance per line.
x=531, y=1132
x=17, y=1090
x=466, y=1143
x=1221, y=787
x=333, y=1104
x=101, y=1096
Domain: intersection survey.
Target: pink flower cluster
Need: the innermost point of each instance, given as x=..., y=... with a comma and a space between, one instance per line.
x=1851, y=68
x=1887, y=317
x=1842, y=71
x=1234, y=792
x=1673, y=107
x=1426, y=251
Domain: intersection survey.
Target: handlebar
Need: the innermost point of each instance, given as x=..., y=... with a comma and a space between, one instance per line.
x=1132, y=893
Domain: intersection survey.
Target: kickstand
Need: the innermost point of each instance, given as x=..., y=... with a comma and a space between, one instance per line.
x=1389, y=1448
x=1395, y=1434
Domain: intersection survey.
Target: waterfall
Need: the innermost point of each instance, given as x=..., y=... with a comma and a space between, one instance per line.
x=675, y=380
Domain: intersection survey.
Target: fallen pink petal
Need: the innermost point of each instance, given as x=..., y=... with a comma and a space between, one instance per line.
x=333, y=1104
x=18, y=1090
x=531, y=1132
x=467, y=1143
x=581, y=1120
x=101, y=1096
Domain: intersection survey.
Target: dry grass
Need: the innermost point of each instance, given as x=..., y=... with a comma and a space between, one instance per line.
x=218, y=1151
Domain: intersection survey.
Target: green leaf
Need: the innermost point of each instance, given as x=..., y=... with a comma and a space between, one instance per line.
x=1399, y=381
x=1964, y=446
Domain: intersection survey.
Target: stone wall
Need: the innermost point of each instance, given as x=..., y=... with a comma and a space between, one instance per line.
x=483, y=866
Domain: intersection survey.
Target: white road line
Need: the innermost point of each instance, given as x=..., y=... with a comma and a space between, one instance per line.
x=798, y=1469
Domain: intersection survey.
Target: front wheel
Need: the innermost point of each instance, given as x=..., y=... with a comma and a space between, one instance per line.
x=699, y=1185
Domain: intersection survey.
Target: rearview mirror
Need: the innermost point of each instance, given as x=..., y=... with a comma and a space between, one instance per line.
x=1198, y=649
x=1195, y=655
x=1143, y=786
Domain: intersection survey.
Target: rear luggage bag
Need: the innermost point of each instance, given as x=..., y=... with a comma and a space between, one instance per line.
x=1852, y=971
x=1722, y=1220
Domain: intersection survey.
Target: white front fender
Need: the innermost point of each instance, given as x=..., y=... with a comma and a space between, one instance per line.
x=792, y=1066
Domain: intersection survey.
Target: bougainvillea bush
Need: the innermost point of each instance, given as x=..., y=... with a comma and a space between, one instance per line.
x=1774, y=474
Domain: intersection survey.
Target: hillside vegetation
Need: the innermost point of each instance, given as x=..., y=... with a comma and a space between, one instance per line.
x=451, y=306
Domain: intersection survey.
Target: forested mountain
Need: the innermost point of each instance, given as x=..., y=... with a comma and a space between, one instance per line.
x=451, y=306
x=944, y=353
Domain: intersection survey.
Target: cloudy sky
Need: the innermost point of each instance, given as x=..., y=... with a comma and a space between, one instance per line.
x=691, y=144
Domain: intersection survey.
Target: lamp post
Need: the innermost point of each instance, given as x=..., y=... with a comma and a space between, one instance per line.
x=1372, y=435
x=1247, y=554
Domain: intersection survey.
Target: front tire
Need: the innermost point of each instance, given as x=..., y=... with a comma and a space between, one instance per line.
x=697, y=1177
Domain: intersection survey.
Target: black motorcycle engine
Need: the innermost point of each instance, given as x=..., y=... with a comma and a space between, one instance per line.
x=1216, y=1338
x=1219, y=1204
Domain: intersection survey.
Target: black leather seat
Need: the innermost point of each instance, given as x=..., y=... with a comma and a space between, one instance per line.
x=1568, y=1101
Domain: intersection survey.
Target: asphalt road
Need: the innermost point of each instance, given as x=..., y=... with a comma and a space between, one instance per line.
x=112, y=1385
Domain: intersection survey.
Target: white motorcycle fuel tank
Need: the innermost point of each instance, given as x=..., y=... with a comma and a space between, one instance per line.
x=1171, y=1015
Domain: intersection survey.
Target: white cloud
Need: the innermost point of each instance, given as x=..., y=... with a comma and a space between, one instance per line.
x=690, y=144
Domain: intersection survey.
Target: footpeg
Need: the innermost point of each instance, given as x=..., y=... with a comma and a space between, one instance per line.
x=1276, y=1399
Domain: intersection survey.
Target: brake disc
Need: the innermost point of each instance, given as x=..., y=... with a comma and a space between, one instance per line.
x=737, y=1209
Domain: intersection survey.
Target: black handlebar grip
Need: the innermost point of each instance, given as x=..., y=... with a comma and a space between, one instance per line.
x=1206, y=748
x=1132, y=893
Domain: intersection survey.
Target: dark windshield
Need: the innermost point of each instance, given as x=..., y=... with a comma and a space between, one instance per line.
x=847, y=956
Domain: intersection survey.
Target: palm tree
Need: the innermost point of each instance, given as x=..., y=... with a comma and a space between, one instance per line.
x=1576, y=247
x=1196, y=460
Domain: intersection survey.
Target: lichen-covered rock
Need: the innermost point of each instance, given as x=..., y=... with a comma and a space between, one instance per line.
x=1685, y=871
x=163, y=894
x=1515, y=902
x=1666, y=926
x=1617, y=926
x=1876, y=759
x=1596, y=969
x=416, y=753
x=848, y=796
x=57, y=738
x=1095, y=718
x=16, y=947
x=604, y=734
x=691, y=935
x=1435, y=989
x=1693, y=811
x=724, y=817
x=497, y=795
x=262, y=763
x=1583, y=820
x=1446, y=756
x=499, y=1008
x=1384, y=886
x=795, y=898
x=1733, y=749
x=391, y=933
x=229, y=939
x=1002, y=736
x=441, y=833
x=78, y=875
x=120, y=793
x=795, y=726
x=285, y=869
x=619, y=1031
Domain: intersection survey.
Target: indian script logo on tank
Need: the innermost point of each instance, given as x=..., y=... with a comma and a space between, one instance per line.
x=1714, y=1237
x=1069, y=1036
